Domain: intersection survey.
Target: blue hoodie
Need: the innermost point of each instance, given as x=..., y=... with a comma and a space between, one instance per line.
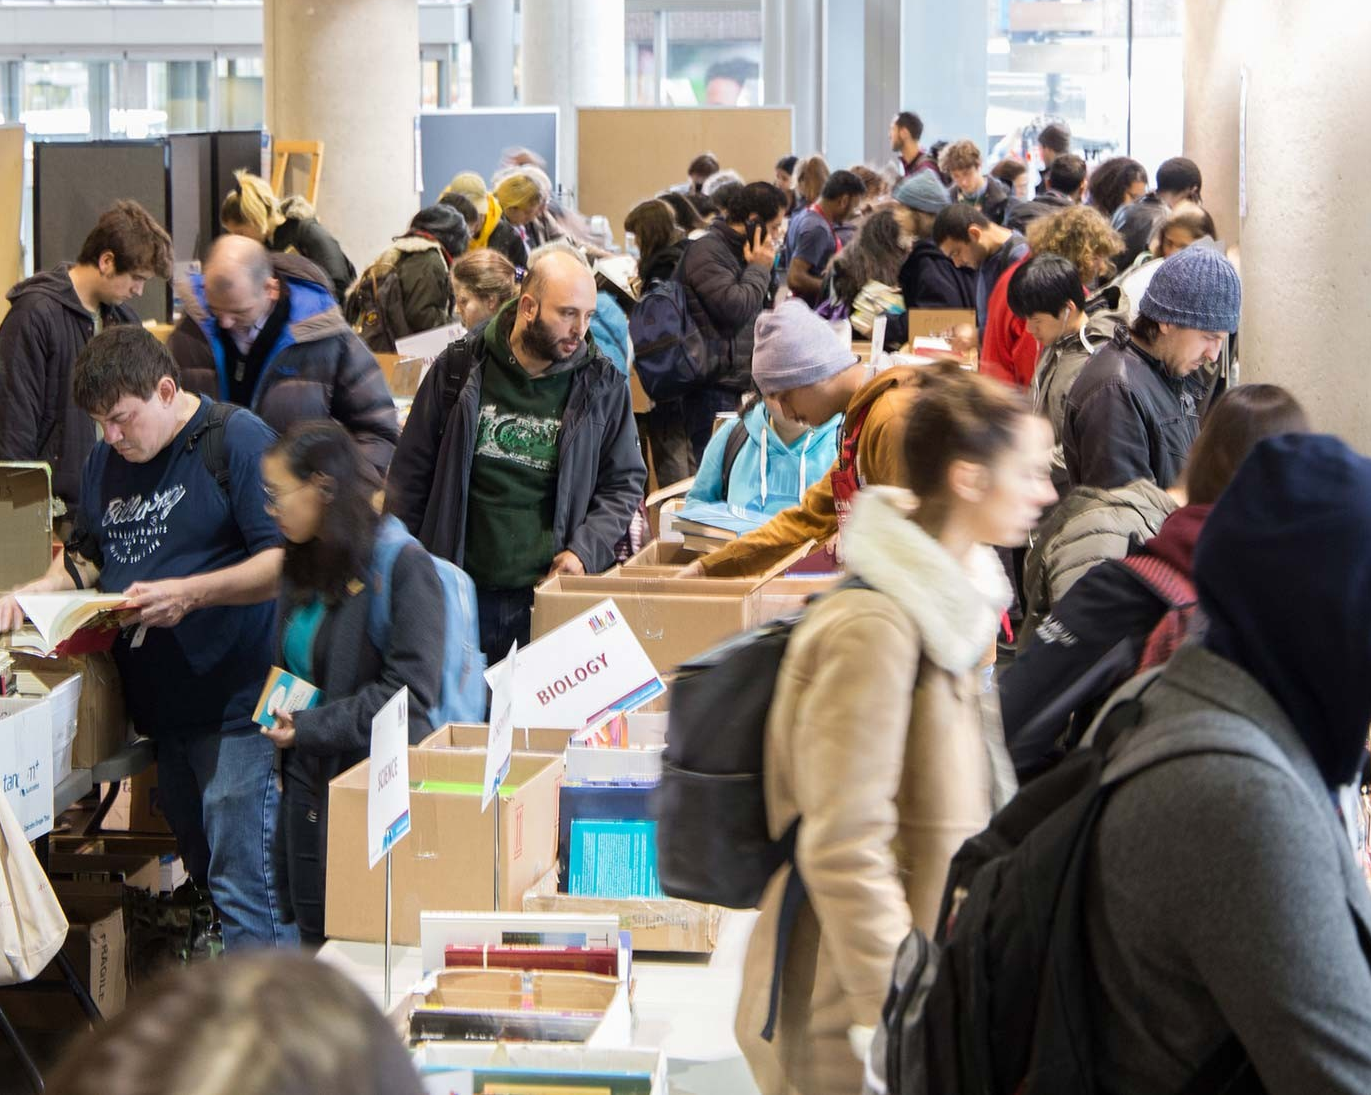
x=765, y=481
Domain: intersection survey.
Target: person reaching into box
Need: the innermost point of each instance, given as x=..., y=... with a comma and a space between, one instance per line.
x=319, y=488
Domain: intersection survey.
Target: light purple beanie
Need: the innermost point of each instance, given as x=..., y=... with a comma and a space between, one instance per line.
x=793, y=348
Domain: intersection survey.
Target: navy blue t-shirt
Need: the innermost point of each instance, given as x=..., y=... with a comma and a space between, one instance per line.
x=168, y=518
x=812, y=238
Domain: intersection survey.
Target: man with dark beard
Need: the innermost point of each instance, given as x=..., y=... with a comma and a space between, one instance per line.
x=520, y=458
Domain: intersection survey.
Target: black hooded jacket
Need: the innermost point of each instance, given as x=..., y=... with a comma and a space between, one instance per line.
x=44, y=330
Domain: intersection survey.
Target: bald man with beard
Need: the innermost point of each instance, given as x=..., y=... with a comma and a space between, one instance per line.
x=520, y=458
x=262, y=330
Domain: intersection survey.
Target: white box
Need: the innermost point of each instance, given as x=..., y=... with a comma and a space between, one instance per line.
x=65, y=700
x=641, y=762
x=26, y=762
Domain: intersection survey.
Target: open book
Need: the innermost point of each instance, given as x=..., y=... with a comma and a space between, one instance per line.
x=65, y=624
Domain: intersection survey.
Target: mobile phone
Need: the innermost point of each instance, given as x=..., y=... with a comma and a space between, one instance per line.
x=755, y=225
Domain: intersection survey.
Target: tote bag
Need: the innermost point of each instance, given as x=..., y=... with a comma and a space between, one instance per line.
x=32, y=924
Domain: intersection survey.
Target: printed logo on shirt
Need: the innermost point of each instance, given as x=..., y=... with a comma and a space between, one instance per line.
x=522, y=439
x=136, y=526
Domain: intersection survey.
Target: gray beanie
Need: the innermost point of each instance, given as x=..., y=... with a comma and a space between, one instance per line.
x=793, y=348
x=1195, y=288
x=923, y=191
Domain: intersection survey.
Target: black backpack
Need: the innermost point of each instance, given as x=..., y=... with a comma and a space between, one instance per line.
x=713, y=843
x=997, y=1003
x=209, y=439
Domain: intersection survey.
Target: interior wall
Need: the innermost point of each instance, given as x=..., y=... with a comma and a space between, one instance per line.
x=1305, y=241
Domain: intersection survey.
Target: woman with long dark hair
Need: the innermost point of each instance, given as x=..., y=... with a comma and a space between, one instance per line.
x=319, y=490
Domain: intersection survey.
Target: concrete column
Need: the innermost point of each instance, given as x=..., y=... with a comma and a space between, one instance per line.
x=492, y=53
x=1303, y=245
x=842, y=82
x=346, y=72
x=882, y=77
x=573, y=56
x=793, y=65
x=943, y=68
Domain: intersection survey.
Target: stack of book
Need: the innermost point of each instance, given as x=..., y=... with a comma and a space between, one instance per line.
x=705, y=526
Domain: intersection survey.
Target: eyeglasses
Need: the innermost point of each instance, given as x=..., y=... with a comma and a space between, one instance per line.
x=271, y=502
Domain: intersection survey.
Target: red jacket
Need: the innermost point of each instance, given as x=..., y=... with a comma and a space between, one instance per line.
x=1008, y=351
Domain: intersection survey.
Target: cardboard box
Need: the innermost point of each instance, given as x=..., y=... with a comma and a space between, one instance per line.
x=639, y=762
x=95, y=947
x=172, y=872
x=26, y=512
x=26, y=762
x=474, y=735
x=496, y=1004
x=448, y=859
x=137, y=808
x=132, y=869
x=101, y=719
x=663, y=924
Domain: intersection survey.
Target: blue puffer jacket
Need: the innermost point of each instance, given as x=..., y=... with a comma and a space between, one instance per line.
x=317, y=368
x=768, y=475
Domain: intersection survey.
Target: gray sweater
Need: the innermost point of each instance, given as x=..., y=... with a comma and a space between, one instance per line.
x=1224, y=898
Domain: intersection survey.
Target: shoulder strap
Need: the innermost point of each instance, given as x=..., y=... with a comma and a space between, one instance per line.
x=737, y=438
x=458, y=360
x=391, y=538
x=209, y=437
x=1163, y=579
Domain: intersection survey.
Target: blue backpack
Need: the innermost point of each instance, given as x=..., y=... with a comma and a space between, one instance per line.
x=463, y=694
x=668, y=349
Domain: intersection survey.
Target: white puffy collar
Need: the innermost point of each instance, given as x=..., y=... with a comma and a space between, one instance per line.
x=955, y=606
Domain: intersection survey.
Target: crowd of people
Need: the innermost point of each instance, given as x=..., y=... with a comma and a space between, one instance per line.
x=1096, y=482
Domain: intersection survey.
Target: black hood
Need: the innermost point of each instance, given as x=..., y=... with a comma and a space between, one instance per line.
x=52, y=283
x=1284, y=576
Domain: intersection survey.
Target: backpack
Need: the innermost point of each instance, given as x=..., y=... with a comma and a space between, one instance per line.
x=1177, y=592
x=997, y=1002
x=462, y=697
x=713, y=842
x=374, y=304
x=733, y=445
x=209, y=438
x=1077, y=705
x=668, y=348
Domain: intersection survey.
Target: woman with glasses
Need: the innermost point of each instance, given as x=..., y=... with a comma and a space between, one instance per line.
x=319, y=489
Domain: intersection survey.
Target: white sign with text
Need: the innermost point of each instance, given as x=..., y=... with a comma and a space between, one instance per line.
x=388, y=791
x=500, y=741
x=586, y=671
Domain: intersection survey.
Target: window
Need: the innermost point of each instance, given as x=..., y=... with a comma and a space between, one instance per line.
x=1052, y=61
x=693, y=58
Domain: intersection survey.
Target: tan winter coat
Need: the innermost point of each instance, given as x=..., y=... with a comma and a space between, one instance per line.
x=878, y=741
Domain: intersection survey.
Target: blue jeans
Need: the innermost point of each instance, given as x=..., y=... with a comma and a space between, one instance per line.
x=504, y=615
x=220, y=796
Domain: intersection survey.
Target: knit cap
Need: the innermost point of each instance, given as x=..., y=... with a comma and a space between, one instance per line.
x=1195, y=288
x=793, y=348
x=923, y=191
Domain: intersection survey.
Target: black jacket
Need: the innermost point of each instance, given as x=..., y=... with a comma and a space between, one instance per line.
x=505, y=238
x=1127, y=418
x=302, y=234
x=44, y=330
x=929, y=279
x=662, y=265
x=996, y=202
x=726, y=294
x=357, y=681
x=600, y=470
x=314, y=368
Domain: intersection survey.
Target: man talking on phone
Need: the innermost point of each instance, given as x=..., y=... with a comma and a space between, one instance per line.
x=727, y=277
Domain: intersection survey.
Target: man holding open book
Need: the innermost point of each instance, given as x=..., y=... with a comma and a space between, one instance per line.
x=173, y=517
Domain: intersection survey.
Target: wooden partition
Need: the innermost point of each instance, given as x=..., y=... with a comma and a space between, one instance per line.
x=626, y=154
x=11, y=209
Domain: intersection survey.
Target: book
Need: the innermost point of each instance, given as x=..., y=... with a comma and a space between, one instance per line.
x=600, y=960
x=285, y=693
x=718, y=520
x=66, y=624
x=614, y=858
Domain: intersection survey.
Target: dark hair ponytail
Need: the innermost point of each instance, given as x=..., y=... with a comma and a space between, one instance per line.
x=341, y=550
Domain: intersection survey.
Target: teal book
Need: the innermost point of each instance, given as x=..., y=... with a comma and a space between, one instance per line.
x=613, y=859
